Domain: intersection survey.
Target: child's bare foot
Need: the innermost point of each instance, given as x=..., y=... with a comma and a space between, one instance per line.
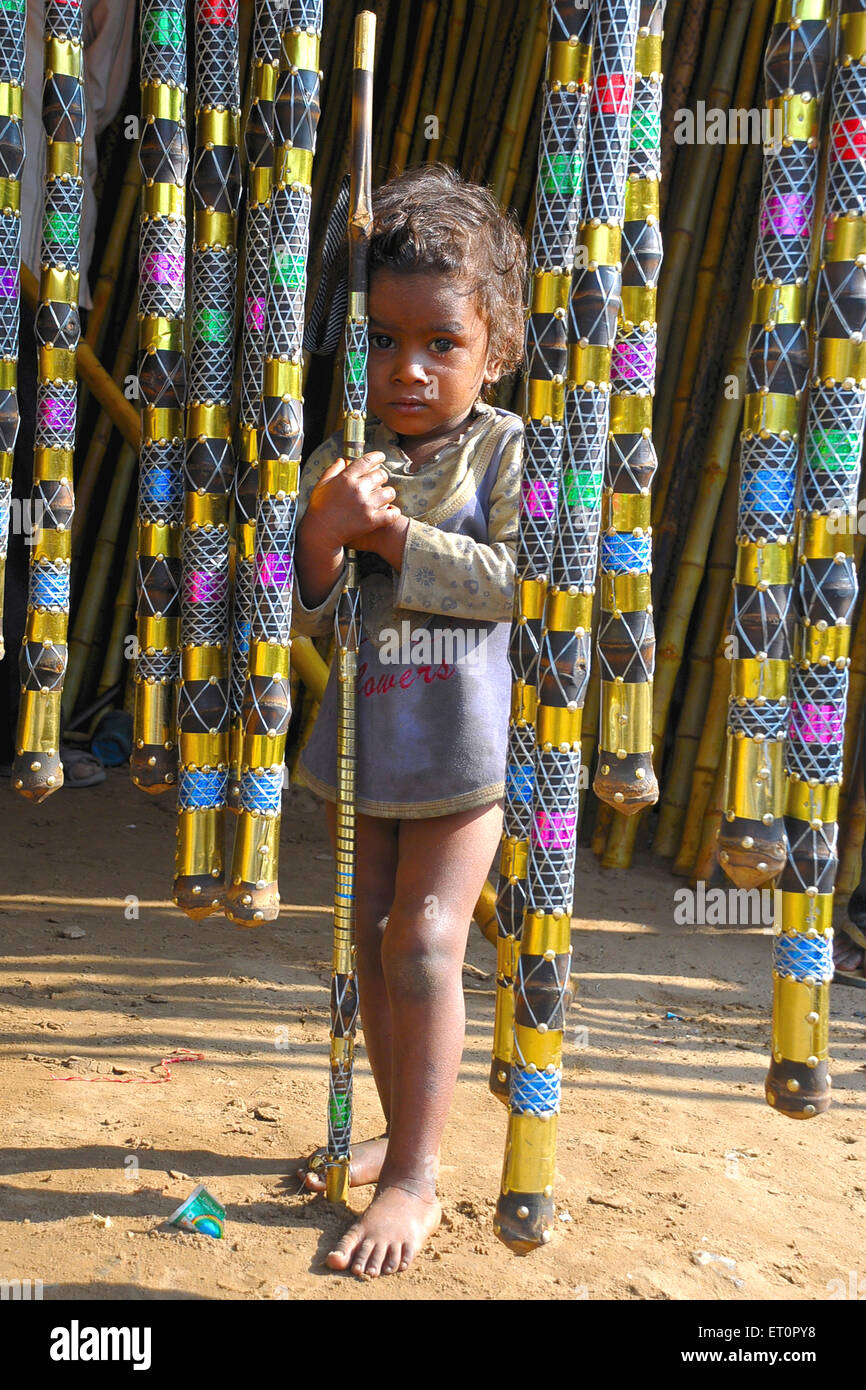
x=366, y=1165
x=395, y=1226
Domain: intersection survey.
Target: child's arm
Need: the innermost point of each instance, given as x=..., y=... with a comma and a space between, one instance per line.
x=447, y=574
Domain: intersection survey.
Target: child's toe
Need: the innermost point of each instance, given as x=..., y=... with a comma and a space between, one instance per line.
x=362, y=1255
x=392, y=1259
x=340, y=1257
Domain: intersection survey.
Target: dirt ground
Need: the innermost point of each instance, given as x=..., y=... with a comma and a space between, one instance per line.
x=667, y=1152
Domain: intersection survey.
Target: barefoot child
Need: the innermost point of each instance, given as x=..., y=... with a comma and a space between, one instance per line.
x=432, y=507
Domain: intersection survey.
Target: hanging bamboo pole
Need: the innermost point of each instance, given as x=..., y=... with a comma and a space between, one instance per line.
x=396, y=75
x=456, y=26
x=707, y=857
x=678, y=614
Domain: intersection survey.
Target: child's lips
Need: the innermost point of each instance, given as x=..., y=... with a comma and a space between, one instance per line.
x=408, y=403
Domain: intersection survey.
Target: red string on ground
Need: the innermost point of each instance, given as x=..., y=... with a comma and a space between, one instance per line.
x=182, y=1054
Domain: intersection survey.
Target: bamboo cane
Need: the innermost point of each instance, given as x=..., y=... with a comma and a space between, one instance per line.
x=406, y=124
x=689, y=322
x=115, y=249
x=707, y=859
x=690, y=726
x=702, y=169
x=710, y=754
x=456, y=115
x=429, y=88
x=122, y=623
x=679, y=80
x=96, y=449
x=448, y=78
x=530, y=64
x=84, y=628
x=484, y=131
x=396, y=75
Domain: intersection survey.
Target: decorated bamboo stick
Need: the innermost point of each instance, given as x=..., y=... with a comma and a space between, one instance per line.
x=37, y=770
x=12, y=40
x=560, y=180
x=798, y=1082
x=203, y=714
x=252, y=895
x=347, y=626
x=524, y=1213
x=752, y=839
x=164, y=158
x=259, y=141
x=626, y=639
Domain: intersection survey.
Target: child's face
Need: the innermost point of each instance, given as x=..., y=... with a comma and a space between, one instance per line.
x=428, y=353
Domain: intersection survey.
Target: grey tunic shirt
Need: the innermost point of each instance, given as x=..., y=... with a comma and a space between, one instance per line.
x=433, y=679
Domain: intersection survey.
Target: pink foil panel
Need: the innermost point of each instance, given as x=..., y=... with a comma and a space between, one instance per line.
x=539, y=498
x=162, y=269
x=275, y=571
x=203, y=587
x=817, y=723
x=555, y=830
x=256, y=314
x=786, y=214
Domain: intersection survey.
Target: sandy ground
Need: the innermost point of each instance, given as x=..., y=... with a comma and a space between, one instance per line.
x=666, y=1151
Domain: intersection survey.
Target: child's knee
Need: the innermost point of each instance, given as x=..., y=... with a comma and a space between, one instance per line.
x=419, y=965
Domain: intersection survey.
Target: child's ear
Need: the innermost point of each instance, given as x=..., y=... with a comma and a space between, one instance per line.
x=493, y=371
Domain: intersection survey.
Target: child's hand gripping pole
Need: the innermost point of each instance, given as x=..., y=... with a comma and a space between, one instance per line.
x=347, y=623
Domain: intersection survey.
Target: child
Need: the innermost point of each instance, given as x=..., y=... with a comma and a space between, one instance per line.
x=432, y=507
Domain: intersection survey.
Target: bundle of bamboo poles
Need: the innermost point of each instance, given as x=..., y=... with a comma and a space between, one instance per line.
x=460, y=81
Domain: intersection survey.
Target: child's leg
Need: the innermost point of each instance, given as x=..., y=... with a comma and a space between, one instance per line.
x=375, y=875
x=441, y=867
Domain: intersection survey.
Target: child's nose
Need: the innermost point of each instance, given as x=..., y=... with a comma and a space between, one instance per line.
x=409, y=367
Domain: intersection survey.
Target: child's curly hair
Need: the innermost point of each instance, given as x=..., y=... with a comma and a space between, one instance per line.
x=429, y=218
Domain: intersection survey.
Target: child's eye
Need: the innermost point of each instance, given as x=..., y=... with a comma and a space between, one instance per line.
x=442, y=344
x=381, y=340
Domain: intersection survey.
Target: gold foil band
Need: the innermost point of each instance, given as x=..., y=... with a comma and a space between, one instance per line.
x=852, y=35
x=160, y=335
x=751, y=792
x=531, y=595
x=821, y=539
x=63, y=160
x=775, y=304
x=159, y=424
x=199, y=843
x=603, y=242
x=217, y=127
x=207, y=421
x=648, y=55
x=301, y=50
x=548, y=292
x=159, y=634
x=626, y=717
x=793, y=118
x=264, y=82
x=641, y=200
x=631, y=414
x=626, y=593
x=771, y=413
x=569, y=64
x=283, y=379
x=10, y=195
x=513, y=858
x=841, y=359
x=626, y=511
x=809, y=804
x=764, y=564
x=261, y=184
x=55, y=364
x=799, y=912
x=215, y=228
x=801, y=1022
x=162, y=103
x=293, y=166
x=39, y=722
x=279, y=475
x=524, y=702
x=49, y=462
x=845, y=238
x=588, y=366
x=545, y=400
x=11, y=100
x=163, y=200
x=813, y=643
x=754, y=680
x=63, y=57
x=530, y=1153
x=565, y=612
x=558, y=727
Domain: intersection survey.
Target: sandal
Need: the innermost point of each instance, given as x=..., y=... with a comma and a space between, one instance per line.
x=850, y=942
x=81, y=768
